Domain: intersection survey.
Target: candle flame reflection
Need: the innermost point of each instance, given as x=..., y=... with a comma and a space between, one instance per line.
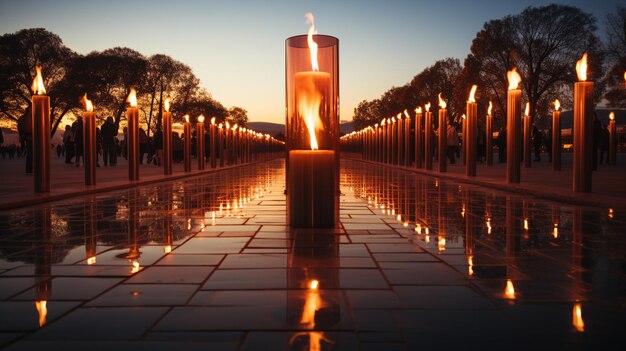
x=509, y=290
x=577, y=318
x=555, y=231
x=38, y=87
x=42, y=310
x=91, y=260
x=581, y=68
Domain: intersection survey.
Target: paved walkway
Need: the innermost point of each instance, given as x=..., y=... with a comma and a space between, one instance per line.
x=208, y=263
x=608, y=188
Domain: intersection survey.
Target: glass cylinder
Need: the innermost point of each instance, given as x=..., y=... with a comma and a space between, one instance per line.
x=312, y=126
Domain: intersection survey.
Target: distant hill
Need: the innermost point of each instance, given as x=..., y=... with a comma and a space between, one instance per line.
x=275, y=128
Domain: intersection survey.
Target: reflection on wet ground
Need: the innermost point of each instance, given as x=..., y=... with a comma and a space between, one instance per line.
x=208, y=261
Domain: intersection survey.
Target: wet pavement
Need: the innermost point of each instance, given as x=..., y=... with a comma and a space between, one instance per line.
x=208, y=263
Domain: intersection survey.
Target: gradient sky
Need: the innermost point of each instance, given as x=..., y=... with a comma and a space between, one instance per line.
x=236, y=47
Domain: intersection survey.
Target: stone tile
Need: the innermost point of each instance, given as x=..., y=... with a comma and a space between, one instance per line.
x=254, y=261
x=190, y=260
x=172, y=275
x=145, y=295
x=11, y=286
x=105, y=345
x=72, y=288
x=229, y=279
x=212, y=246
x=232, y=318
x=24, y=316
x=441, y=297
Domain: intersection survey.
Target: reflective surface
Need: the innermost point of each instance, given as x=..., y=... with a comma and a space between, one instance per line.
x=208, y=262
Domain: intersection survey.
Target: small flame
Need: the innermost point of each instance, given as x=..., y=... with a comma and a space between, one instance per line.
x=463, y=116
x=442, y=103
x=418, y=228
x=201, y=119
x=383, y=122
x=527, y=110
x=312, y=44
x=611, y=213
x=509, y=291
x=407, y=114
x=488, y=222
x=38, y=87
x=227, y=125
x=441, y=244
x=472, y=93
x=513, y=78
x=427, y=107
x=186, y=117
x=557, y=105
x=166, y=105
x=135, y=267
x=581, y=68
x=132, y=98
x=555, y=231
x=577, y=318
x=235, y=127
x=42, y=310
x=167, y=249
x=624, y=76
x=490, y=108
x=470, y=265
x=418, y=109
x=314, y=285
x=611, y=116
x=86, y=103
x=91, y=260
x=213, y=120
x=525, y=223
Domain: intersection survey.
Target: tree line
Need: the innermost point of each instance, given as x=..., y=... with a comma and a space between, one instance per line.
x=544, y=44
x=106, y=77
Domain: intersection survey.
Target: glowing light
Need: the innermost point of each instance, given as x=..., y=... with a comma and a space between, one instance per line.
x=509, y=291
x=213, y=120
x=427, y=107
x=132, y=98
x=581, y=68
x=406, y=114
x=166, y=105
x=442, y=104
x=201, y=118
x=135, y=267
x=470, y=265
x=525, y=223
x=86, y=103
x=611, y=213
x=418, y=109
x=314, y=284
x=514, y=78
x=42, y=310
x=527, y=110
x=557, y=105
x=472, y=93
x=488, y=222
x=167, y=249
x=418, y=228
x=612, y=116
x=91, y=260
x=441, y=244
x=555, y=231
x=577, y=318
x=489, y=109
x=312, y=44
x=38, y=87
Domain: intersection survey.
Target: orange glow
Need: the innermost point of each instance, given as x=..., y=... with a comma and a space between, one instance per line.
x=312, y=44
x=472, y=93
x=441, y=244
x=509, y=291
x=611, y=116
x=166, y=105
x=525, y=223
x=234, y=127
x=311, y=305
x=442, y=103
x=527, y=110
x=488, y=222
x=406, y=114
x=167, y=249
x=418, y=109
x=611, y=213
x=38, y=87
x=489, y=109
x=227, y=125
x=42, y=310
x=201, y=119
x=213, y=120
x=135, y=267
x=427, y=107
x=555, y=231
x=314, y=284
x=91, y=260
x=577, y=318
x=132, y=98
x=86, y=103
x=513, y=78
x=624, y=76
x=557, y=105
x=463, y=116
x=418, y=228
x=581, y=68
x=186, y=117
x=470, y=265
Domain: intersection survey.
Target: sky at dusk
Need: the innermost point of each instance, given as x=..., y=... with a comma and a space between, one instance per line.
x=236, y=47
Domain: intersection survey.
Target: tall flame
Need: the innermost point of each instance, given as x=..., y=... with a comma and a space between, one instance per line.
x=611, y=116
x=86, y=103
x=186, y=117
x=577, y=318
x=509, y=291
x=489, y=109
x=132, y=98
x=312, y=44
x=527, y=110
x=557, y=105
x=166, y=105
x=427, y=107
x=418, y=109
x=38, y=87
x=581, y=68
x=514, y=78
x=442, y=103
x=42, y=310
x=472, y=93
x=201, y=118
x=213, y=120
x=407, y=114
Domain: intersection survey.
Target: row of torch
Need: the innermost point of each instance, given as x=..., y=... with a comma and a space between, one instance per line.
x=231, y=145
x=390, y=141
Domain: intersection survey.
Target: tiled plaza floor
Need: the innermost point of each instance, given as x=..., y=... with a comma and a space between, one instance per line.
x=208, y=263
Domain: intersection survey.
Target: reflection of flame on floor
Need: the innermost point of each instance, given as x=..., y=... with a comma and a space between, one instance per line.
x=311, y=305
x=42, y=310
x=509, y=291
x=577, y=318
